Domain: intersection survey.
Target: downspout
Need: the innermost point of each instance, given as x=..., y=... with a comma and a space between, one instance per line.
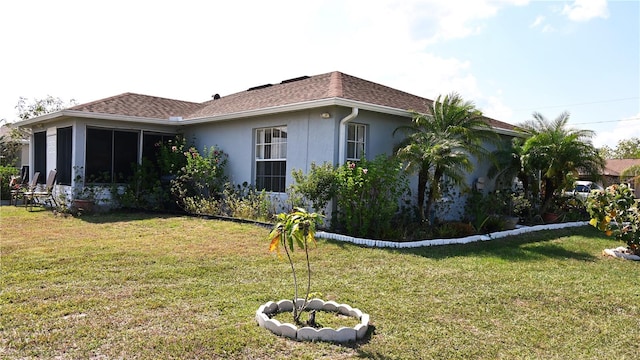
x=343, y=135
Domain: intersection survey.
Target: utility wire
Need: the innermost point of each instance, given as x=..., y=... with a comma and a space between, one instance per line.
x=579, y=104
x=608, y=121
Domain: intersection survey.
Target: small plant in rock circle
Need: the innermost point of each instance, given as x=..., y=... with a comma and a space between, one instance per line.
x=297, y=227
x=615, y=212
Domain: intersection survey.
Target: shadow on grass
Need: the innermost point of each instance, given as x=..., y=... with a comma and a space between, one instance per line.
x=524, y=247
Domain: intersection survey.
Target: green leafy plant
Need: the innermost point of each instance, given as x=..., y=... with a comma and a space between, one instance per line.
x=6, y=172
x=317, y=187
x=615, y=212
x=297, y=227
x=171, y=155
x=143, y=190
x=367, y=195
x=202, y=176
x=244, y=201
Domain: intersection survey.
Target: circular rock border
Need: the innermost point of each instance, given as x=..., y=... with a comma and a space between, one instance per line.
x=341, y=335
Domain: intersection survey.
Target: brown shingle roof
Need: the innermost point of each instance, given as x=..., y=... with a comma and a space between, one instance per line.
x=615, y=167
x=334, y=85
x=130, y=104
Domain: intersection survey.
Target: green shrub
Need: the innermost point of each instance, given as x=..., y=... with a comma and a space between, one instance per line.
x=368, y=194
x=615, y=212
x=202, y=176
x=245, y=202
x=317, y=187
x=6, y=172
x=454, y=229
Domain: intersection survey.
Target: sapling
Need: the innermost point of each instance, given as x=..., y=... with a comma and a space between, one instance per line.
x=299, y=227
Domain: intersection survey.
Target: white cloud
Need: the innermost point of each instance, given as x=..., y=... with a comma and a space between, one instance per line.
x=537, y=22
x=435, y=21
x=193, y=50
x=625, y=129
x=585, y=10
x=496, y=109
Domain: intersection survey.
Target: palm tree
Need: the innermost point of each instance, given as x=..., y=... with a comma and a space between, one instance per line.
x=558, y=152
x=440, y=144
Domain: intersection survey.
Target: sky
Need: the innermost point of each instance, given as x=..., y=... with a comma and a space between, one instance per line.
x=510, y=57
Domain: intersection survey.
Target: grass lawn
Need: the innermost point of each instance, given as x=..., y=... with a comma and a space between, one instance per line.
x=141, y=286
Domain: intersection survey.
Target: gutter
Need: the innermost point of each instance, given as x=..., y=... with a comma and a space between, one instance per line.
x=343, y=134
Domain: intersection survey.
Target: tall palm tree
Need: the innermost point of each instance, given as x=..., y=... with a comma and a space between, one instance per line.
x=558, y=152
x=440, y=144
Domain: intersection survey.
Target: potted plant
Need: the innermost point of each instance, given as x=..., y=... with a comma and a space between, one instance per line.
x=84, y=195
x=297, y=228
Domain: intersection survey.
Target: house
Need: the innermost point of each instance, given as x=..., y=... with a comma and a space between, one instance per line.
x=267, y=130
x=22, y=161
x=613, y=173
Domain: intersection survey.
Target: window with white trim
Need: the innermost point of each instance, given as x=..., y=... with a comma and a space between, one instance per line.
x=271, y=158
x=356, y=141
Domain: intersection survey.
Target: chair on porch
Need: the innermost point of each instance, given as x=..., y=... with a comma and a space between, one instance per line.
x=17, y=193
x=16, y=186
x=41, y=197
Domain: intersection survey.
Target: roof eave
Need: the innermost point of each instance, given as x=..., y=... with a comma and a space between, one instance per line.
x=313, y=104
x=92, y=115
x=335, y=101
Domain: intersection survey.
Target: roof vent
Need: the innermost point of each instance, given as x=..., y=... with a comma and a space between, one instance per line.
x=259, y=87
x=295, y=79
x=216, y=96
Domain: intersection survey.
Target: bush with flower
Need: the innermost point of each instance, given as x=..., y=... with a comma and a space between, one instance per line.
x=171, y=157
x=202, y=177
x=615, y=212
x=367, y=196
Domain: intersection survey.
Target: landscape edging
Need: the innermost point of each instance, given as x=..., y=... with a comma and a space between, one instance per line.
x=436, y=242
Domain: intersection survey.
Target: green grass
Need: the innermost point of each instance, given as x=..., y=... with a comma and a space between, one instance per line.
x=140, y=286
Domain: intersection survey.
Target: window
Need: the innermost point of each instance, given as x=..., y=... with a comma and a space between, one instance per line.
x=271, y=158
x=356, y=141
x=150, y=148
x=63, y=155
x=111, y=155
x=40, y=155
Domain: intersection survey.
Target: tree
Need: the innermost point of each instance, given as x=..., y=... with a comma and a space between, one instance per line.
x=559, y=153
x=440, y=144
x=37, y=107
x=627, y=149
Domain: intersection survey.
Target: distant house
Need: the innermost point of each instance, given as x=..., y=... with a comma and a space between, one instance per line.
x=613, y=173
x=23, y=157
x=267, y=130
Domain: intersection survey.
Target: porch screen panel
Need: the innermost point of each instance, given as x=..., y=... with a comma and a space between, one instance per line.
x=151, y=148
x=63, y=155
x=40, y=155
x=125, y=154
x=98, y=156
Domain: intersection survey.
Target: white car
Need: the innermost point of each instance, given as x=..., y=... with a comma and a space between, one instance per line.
x=582, y=189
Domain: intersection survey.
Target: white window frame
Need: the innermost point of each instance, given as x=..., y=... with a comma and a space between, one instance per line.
x=271, y=147
x=356, y=141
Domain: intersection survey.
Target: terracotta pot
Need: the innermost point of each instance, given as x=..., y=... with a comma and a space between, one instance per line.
x=550, y=218
x=83, y=205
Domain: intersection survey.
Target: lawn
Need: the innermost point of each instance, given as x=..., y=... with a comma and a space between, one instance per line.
x=149, y=286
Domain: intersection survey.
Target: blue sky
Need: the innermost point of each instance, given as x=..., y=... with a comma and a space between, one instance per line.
x=510, y=57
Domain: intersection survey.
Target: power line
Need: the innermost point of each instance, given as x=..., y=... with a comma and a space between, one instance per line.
x=580, y=104
x=608, y=121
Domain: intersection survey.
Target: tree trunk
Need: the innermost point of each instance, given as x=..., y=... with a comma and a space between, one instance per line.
x=422, y=186
x=433, y=192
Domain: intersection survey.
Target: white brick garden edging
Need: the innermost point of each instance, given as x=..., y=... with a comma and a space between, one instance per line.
x=434, y=242
x=343, y=334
